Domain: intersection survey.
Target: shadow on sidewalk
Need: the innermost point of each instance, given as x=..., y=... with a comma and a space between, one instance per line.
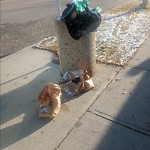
x=134, y=116
x=19, y=107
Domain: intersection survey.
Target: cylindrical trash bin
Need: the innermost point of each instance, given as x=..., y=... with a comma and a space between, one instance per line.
x=75, y=54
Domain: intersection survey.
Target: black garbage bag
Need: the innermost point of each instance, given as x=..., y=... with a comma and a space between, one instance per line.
x=78, y=22
x=73, y=23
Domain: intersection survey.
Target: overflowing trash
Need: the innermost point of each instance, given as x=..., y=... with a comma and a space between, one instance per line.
x=49, y=99
x=75, y=82
x=79, y=18
x=121, y=33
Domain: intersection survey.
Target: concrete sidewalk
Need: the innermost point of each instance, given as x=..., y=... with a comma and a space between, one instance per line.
x=115, y=115
x=23, y=76
x=119, y=119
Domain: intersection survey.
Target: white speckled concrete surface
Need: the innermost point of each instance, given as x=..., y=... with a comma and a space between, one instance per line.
x=76, y=54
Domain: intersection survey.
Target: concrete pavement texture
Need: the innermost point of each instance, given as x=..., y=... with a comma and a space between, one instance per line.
x=26, y=74
x=114, y=115
x=120, y=117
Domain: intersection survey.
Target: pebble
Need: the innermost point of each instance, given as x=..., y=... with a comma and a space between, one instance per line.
x=118, y=79
x=124, y=93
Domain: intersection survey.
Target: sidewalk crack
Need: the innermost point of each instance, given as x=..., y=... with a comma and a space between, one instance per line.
x=116, y=122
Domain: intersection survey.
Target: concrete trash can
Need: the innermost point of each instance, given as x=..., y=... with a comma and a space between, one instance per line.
x=75, y=54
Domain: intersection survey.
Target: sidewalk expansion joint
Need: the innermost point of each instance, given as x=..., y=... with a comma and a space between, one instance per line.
x=70, y=131
x=118, y=123
x=87, y=110
x=104, y=89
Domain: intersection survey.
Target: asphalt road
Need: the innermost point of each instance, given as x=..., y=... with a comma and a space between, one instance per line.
x=25, y=22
